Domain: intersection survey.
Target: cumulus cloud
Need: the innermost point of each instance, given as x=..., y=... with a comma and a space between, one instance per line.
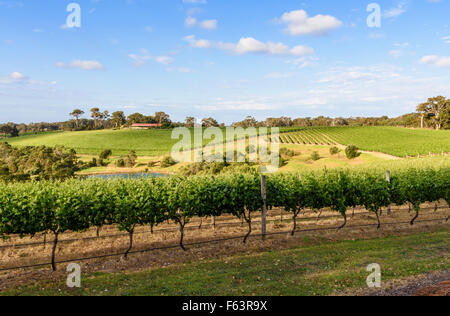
x=299, y=23
x=81, y=64
x=437, y=61
x=249, y=45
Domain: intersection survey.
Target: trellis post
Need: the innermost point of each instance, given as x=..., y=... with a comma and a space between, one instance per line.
x=264, y=206
x=388, y=179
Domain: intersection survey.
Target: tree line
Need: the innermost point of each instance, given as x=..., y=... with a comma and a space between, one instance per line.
x=434, y=113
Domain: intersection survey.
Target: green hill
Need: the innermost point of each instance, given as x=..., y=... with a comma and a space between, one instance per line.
x=389, y=140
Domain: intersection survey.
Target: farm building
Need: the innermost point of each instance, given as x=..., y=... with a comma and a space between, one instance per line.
x=144, y=126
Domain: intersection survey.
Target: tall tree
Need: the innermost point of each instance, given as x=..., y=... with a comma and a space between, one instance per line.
x=95, y=114
x=162, y=117
x=190, y=121
x=77, y=113
x=435, y=108
x=118, y=119
x=135, y=118
x=209, y=122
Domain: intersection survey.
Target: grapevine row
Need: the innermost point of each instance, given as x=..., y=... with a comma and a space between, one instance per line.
x=28, y=209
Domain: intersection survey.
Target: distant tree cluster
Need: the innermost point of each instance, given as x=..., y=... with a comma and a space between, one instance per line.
x=37, y=163
x=435, y=113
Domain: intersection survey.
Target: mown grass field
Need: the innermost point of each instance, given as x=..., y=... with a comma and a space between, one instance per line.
x=154, y=142
x=320, y=269
x=390, y=140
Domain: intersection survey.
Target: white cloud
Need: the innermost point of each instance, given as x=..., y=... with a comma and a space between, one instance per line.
x=14, y=77
x=81, y=64
x=144, y=57
x=250, y=45
x=446, y=39
x=396, y=11
x=165, y=60
x=195, y=1
x=437, y=61
x=190, y=21
x=139, y=60
x=299, y=23
x=206, y=24
x=17, y=76
x=197, y=43
x=303, y=62
x=396, y=53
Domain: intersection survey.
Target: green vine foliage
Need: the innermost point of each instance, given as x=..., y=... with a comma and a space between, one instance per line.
x=28, y=209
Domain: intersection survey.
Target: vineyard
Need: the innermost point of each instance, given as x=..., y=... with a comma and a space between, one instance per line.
x=55, y=208
x=399, y=142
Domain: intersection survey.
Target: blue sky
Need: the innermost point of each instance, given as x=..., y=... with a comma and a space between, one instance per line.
x=221, y=58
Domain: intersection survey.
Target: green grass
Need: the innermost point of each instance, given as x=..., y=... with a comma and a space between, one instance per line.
x=145, y=142
x=307, y=270
x=156, y=142
x=392, y=140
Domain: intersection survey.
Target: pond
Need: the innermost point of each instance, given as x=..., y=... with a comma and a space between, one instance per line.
x=127, y=175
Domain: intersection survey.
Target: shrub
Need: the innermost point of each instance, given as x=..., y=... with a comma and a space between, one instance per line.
x=105, y=154
x=131, y=159
x=315, y=156
x=287, y=153
x=167, y=162
x=352, y=152
x=151, y=164
x=334, y=150
x=120, y=163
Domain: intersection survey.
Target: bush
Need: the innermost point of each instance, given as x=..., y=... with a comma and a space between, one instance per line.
x=352, y=152
x=120, y=163
x=131, y=159
x=334, y=150
x=287, y=153
x=151, y=164
x=315, y=156
x=167, y=162
x=105, y=154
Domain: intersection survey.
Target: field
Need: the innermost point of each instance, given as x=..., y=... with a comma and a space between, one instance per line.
x=400, y=142
x=390, y=140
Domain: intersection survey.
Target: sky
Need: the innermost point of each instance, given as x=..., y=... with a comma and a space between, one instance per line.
x=221, y=58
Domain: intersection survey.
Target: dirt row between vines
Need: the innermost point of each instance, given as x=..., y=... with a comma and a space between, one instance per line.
x=228, y=232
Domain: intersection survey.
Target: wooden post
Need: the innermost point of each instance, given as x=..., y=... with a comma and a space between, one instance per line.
x=264, y=207
x=388, y=179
